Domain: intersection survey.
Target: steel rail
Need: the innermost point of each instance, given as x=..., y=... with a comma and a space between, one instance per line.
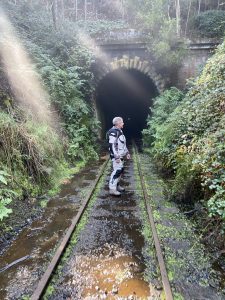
x=162, y=266
x=54, y=262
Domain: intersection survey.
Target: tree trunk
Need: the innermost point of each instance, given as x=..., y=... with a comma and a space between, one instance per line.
x=123, y=10
x=62, y=10
x=199, y=6
x=168, y=10
x=55, y=13
x=189, y=9
x=178, y=17
x=76, y=12
x=85, y=10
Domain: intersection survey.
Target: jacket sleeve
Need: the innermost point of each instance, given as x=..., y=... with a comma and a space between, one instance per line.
x=113, y=144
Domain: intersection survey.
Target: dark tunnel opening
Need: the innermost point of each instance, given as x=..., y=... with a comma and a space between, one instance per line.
x=128, y=94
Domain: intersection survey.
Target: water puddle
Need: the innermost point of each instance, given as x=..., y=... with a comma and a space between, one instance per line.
x=35, y=242
x=109, y=273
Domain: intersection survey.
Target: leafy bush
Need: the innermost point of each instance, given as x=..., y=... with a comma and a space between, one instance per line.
x=99, y=27
x=210, y=23
x=163, y=106
x=160, y=27
x=190, y=139
x=211, y=159
x=5, y=195
x=64, y=66
x=26, y=152
x=34, y=165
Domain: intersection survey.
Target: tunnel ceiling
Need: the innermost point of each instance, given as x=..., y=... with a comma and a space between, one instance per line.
x=125, y=93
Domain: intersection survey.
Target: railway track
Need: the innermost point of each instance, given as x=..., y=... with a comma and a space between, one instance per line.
x=43, y=283
x=163, y=271
x=59, y=252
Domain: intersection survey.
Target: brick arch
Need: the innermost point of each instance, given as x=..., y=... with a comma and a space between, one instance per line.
x=136, y=63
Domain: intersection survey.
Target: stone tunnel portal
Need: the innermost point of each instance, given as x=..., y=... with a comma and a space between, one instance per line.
x=125, y=93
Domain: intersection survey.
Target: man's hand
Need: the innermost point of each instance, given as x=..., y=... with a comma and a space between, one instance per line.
x=128, y=156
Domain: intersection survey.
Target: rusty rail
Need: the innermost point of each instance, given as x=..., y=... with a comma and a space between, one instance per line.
x=163, y=271
x=54, y=262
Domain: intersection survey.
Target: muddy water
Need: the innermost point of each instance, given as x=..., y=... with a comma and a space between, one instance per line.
x=36, y=243
x=107, y=261
x=109, y=272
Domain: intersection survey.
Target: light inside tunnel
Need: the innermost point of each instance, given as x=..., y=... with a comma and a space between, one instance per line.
x=125, y=93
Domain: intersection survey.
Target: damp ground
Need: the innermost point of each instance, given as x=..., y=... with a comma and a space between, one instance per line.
x=107, y=261
x=24, y=260
x=113, y=257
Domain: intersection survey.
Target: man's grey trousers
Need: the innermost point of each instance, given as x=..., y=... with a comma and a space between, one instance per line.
x=116, y=173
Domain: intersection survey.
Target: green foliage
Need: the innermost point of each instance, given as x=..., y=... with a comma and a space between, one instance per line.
x=163, y=106
x=32, y=162
x=35, y=164
x=3, y=177
x=165, y=34
x=49, y=291
x=211, y=159
x=25, y=297
x=6, y=195
x=64, y=86
x=210, y=23
x=99, y=27
x=161, y=30
x=166, y=47
x=190, y=138
x=4, y=211
x=68, y=81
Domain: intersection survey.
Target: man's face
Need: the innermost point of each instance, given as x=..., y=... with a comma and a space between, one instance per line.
x=120, y=124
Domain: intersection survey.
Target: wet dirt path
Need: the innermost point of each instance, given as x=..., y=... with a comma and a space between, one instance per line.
x=111, y=258
x=107, y=261
x=37, y=242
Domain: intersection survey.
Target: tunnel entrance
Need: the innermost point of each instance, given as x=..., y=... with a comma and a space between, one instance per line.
x=125, y=93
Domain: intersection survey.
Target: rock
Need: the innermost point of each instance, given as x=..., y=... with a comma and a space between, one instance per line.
x=32, y=200
x=103, y=296
x=158, y=287
x=115, y=290
x=66, y=181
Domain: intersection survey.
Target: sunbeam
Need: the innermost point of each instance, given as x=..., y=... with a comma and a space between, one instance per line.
x=22, y=76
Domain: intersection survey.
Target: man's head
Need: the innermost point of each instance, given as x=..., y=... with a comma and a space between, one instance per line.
x=118, y=122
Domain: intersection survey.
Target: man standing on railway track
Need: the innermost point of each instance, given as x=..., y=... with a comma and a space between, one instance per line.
x=118, y=150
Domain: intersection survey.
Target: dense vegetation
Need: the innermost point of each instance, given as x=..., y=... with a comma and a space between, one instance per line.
x=35, y=158
x=210, y=24
x=186, y=136
x=168, y=24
